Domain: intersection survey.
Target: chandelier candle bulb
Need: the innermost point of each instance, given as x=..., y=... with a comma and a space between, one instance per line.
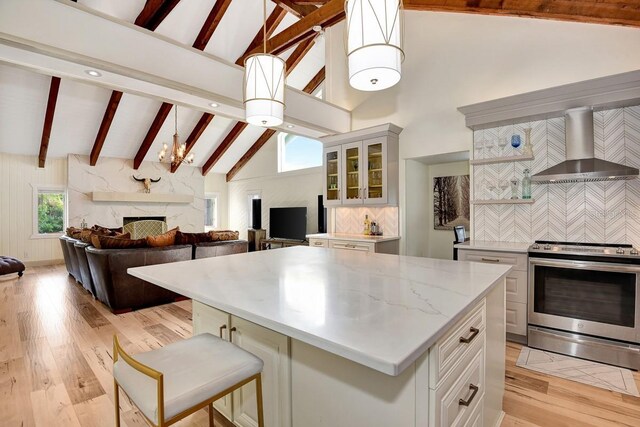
x=374, y=43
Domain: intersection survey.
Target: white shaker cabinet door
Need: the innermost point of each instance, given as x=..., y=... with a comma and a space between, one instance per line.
x=273, y=349
x=215, y=322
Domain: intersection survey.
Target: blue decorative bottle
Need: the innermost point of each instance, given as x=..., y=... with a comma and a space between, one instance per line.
x=526, y=185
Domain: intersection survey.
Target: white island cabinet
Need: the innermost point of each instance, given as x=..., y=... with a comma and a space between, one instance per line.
x=354, y=339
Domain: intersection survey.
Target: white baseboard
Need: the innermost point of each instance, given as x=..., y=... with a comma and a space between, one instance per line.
x=500, y=419
x=43, y=263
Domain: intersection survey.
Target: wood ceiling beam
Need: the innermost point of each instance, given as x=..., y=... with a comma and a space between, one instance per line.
x=315, y=82
x=208, y=28
x=293, y=60
x=263, y=139
x=163, y=112
x=274, y=19
x=54, y=87
x=107, y=119
x=311, y=2
x=294, y=8
x=224, y=146
x=600, y=12
x=152, y=14
x=195, y=134
x=326, y=15
x=211, y=23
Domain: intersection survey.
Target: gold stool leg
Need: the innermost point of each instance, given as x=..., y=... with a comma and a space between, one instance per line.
x=259, y=399
x=211, y=421
x=116, y=399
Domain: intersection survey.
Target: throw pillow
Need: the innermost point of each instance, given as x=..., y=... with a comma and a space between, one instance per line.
x=122, y=241
x=220, y=235
x=106, y=231
x=192, y=238
x=165, y=239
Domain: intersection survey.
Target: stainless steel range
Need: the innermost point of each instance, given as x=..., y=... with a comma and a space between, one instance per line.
x=584, y=301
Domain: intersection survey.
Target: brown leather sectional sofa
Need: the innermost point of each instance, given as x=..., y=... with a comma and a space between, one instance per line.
x=103, y=272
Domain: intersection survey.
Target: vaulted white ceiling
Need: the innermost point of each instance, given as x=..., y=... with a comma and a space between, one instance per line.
x=81, y=106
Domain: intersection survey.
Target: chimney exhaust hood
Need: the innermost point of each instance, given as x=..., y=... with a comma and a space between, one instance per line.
x=581, y=164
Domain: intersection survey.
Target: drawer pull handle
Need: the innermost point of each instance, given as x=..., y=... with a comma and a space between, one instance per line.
x=318, y=243
x=490, y=259
x=221, y=328
x=474, y=333
x=231, y=331
x=474, y=390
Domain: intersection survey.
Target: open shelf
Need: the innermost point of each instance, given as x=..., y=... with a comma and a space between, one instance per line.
x=112, y=196
x=503, y=202
x=505, y=159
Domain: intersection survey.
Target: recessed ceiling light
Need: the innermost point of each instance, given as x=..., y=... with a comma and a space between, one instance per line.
x=290, y=126
x=214, y=105
x=93, y=73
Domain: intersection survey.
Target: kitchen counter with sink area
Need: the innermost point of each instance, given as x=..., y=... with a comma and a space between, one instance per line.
x=355, y=339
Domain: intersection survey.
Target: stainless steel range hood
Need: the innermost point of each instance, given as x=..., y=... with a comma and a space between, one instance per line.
x=581, y=164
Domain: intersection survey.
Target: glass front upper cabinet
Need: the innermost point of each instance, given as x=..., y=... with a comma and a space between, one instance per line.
x=351, y=170
x=332, y=166
x=375, y=187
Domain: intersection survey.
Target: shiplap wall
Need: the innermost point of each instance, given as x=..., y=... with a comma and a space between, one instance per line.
x=18, y=175
x=299, y=189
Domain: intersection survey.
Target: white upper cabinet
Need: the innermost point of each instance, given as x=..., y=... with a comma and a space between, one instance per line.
x=361, y=167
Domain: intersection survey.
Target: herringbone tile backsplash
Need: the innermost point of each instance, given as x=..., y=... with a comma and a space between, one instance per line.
x=351, y=220
x=584, y=212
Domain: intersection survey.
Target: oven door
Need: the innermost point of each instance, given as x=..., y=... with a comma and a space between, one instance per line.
x=592, y=298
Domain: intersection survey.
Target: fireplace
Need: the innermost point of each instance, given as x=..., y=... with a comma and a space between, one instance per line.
x=129, y=219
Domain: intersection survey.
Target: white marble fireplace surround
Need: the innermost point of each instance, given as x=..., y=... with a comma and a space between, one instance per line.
x=584, y=212
x=115, y=175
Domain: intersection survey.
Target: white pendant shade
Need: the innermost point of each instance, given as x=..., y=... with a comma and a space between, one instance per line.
x=264, y=83
x=374, y=43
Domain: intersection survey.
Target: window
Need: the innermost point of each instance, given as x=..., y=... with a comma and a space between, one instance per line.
x=210, y=211
x=49, y=211
x=298, y=152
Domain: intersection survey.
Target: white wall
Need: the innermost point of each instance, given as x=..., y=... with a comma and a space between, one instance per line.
x=460, y=59
x=217, y=183
x=18, y=175
x=296, y=188
x=113, y=174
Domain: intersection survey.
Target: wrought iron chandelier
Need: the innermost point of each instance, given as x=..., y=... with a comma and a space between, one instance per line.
x=178, y=150
x=374, y=43
x=264, y=84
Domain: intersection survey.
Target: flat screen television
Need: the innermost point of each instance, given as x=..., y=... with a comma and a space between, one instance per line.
x=288, y=223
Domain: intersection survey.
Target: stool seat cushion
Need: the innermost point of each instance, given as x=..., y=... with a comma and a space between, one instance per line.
x=10, y=265
x=194, y=370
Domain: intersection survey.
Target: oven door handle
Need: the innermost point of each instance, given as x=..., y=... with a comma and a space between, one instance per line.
x=585, y=265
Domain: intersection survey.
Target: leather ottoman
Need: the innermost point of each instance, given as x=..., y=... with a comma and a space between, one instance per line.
x=10, y=265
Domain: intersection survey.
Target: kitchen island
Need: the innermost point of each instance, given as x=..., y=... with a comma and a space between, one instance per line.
x=354, y=339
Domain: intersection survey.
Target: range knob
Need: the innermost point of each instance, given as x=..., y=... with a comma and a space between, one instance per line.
x=547, y=247
x=535, y=246
x=633, y=251
x=620, y=251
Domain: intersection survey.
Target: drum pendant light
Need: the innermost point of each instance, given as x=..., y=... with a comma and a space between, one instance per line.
x=374, y=43
x=264, y=83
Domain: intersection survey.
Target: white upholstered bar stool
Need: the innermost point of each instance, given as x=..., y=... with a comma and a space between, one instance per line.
x=177, y=380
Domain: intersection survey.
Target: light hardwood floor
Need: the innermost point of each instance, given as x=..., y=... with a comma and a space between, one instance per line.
x=56, y=357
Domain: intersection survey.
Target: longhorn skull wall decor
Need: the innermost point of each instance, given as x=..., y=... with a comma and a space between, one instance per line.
x=147, y=182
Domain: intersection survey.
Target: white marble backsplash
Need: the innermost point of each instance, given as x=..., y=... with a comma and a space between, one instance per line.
x=588, y=212
x=115, y=175
x=351, y=220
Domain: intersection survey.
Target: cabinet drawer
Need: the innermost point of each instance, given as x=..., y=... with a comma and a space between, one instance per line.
x=518, y=261
x=465, y=385
x=516, y=287
x=475, y=420
x=318, y=243
x=352, y=246
x=516, y=318
x=453, y=347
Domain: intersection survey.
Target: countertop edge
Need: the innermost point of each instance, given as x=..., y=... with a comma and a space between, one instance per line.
x=521, y=248
x=352, y=237
x=392, y=369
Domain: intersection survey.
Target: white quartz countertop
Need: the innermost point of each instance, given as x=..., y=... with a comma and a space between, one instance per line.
x=382, y=311
x=352, y=237
x=481, y=245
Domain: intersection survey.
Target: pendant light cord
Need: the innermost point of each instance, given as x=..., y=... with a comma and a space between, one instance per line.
x=175, y=122
x=264, y=26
